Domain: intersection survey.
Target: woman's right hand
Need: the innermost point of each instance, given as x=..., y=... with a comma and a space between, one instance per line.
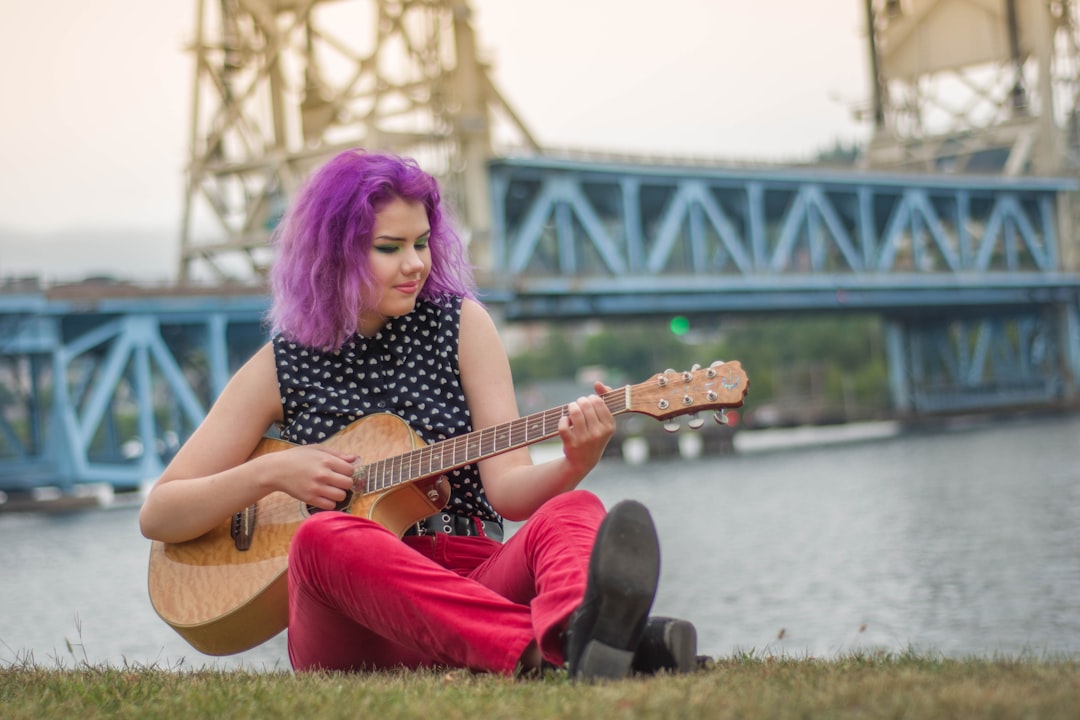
x=315, y=475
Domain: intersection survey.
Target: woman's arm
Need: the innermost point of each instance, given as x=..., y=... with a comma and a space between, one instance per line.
x=514, y=486
x=211, y=477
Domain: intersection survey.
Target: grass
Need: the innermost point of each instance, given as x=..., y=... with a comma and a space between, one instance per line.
x=872, y=685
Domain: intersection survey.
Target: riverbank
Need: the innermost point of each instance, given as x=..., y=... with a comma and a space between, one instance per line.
x=857, y=686
x=55, y=500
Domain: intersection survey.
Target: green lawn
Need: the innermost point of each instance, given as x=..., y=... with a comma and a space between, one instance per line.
x=858, y=686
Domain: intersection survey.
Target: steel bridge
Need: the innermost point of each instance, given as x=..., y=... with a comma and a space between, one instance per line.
x=101, y=382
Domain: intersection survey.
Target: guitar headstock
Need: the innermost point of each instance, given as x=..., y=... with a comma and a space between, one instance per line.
x=669, y=394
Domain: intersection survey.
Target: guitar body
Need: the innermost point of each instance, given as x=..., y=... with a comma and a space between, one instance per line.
x=225, y=600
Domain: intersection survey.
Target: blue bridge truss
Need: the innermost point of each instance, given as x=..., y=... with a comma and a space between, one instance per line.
x=980, y=311
x=575, y=239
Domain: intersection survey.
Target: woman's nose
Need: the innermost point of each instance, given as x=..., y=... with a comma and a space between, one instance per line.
x=412, y=259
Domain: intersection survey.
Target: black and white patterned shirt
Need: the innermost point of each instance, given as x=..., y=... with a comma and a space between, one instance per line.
x=409, y=368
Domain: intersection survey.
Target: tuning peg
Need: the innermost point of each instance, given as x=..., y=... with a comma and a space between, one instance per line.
x=720, y=416
x=671, y=426
x=716, y=363
x=695, y=367
x=695, y=422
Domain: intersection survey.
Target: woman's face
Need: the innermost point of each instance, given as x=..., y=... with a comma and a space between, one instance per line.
x=400, y=261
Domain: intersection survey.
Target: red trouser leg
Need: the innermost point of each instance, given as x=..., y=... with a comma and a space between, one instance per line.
x=361, y=598
x=546, y=565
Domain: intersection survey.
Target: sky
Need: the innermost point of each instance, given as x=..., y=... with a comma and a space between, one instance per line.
x=96, y=97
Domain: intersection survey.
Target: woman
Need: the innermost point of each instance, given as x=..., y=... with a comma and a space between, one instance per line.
x=374, y=311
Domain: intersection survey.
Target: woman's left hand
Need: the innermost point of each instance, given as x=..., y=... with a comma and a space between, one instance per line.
x=585, y=430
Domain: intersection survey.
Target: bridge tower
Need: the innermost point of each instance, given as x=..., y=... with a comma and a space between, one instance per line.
x=979, y=87
x=989, y=86
x=280, y=85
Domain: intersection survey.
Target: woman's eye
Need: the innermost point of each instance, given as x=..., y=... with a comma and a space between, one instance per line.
x=391, y=248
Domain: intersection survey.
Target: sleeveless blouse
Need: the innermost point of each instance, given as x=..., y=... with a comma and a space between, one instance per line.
x=409, y=368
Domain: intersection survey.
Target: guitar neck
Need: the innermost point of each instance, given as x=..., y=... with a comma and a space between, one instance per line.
x=665, y=395
x=441, y=457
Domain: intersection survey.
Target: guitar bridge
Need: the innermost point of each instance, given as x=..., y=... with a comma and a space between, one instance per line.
x=243, y=527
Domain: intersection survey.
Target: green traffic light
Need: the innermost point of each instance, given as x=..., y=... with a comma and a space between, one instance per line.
x=680, y=325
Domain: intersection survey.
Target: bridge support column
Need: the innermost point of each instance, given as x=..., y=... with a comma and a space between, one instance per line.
x=896, y=353
x=1070, y=347
x=972, y=361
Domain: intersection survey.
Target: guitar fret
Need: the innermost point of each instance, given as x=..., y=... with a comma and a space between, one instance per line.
x=371, y=482
x=520, y=431
x=368, y=476
x=381, y=480
x=395, y=469
x=554, y=416
x=422, y=455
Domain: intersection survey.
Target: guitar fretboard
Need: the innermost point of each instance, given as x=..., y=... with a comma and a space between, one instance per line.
x=441, y=457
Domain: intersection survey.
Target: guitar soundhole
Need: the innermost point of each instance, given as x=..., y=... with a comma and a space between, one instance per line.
x=346, y=502
x=341, y=505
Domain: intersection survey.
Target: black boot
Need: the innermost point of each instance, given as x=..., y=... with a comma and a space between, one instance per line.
x=605, y=630
x=668, y=644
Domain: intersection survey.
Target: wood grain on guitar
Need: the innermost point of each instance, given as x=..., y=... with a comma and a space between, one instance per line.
x=226, y=591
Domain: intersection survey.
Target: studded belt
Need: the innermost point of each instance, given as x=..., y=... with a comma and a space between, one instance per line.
x=452, y=524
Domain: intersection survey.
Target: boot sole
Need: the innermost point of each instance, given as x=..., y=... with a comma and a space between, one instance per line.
x=624, y=569
x=668, y=645
x=681, y=642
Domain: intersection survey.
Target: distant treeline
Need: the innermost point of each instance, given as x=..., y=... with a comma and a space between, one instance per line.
x=834, y=364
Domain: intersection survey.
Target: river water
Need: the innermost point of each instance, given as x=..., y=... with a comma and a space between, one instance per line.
x=961, y=542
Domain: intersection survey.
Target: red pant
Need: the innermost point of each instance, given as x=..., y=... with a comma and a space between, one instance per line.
x=362, y=598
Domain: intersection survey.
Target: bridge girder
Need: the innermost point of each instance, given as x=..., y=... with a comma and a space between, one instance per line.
x=580, y=239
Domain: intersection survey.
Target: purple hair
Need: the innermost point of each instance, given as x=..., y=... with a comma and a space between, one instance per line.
x=321, y=280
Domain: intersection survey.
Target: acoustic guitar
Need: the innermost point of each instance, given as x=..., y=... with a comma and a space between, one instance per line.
x=227, y=591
